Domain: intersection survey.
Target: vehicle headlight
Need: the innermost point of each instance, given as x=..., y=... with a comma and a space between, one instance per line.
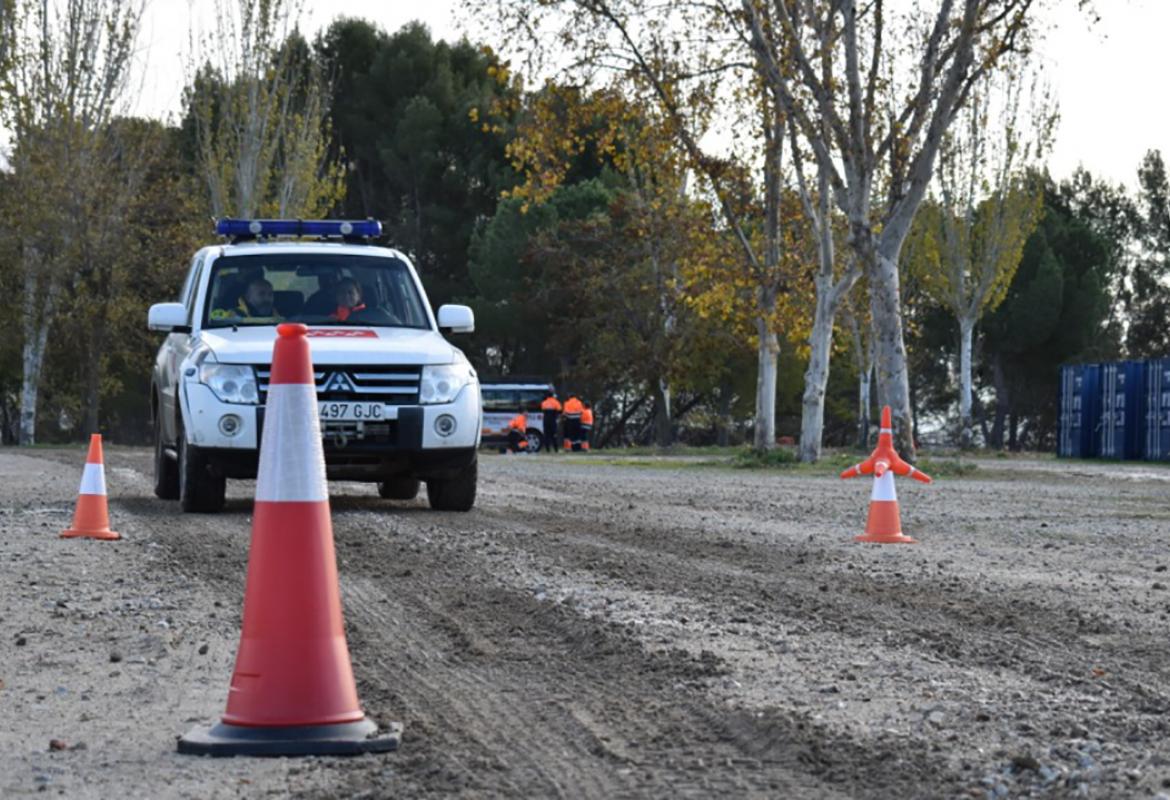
x=443, y=384
x=231, y=383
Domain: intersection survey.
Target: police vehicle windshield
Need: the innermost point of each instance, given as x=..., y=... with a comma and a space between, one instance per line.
x=314, y=288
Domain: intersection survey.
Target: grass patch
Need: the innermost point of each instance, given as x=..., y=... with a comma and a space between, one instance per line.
x=708, y=451
x=764, y=459
x=652, y=463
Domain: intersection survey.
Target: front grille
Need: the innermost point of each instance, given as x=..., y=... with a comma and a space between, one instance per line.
x=390, y=384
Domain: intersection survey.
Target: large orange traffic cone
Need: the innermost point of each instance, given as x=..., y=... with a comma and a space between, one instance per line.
x=91, y=518
x=292, y=692
x=884, y=524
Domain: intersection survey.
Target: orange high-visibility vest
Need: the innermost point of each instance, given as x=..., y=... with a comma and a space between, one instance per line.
x=573, y=407
x=587, y=416
x=550, y=404
x=518, y=423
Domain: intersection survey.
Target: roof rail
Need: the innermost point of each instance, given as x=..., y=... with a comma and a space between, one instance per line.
x=243, y=230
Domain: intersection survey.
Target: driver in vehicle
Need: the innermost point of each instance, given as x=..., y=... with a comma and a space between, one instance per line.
x=257, y=303
x=348, y=295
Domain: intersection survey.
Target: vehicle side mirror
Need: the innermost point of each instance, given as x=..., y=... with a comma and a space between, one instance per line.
x=168, y=317
x=456, y=319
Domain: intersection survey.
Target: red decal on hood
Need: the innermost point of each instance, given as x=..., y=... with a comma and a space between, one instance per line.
x=334, y=333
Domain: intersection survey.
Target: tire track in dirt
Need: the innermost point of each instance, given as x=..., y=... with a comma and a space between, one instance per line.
x=506, y=694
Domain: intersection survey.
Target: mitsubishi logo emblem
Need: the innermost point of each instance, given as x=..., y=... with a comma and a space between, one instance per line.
x=338, y=382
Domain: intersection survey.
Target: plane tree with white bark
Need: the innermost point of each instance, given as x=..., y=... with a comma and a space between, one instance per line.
x=873, y=91
x=984, y=203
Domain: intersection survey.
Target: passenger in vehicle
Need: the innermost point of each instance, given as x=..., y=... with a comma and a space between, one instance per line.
x=348, y=295
x=257, y=302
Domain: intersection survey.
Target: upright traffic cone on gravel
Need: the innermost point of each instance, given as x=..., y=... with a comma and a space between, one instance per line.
x=91, y=518
x=884, y=525
x=292, y=692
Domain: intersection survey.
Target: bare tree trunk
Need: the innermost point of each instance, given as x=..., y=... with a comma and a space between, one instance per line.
x=864, y=402
x=769, y=354
x=723, y=434
x=966, y=334
x=662, y=418
x=816, y=377
x=893, y=377
x=38, y=313
x=828, y=299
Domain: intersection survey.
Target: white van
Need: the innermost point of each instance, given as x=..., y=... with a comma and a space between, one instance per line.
x=504, y=398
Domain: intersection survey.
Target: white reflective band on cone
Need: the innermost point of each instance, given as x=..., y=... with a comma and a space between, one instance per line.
x=883, y=487
x=93, y=480
x=292, y=463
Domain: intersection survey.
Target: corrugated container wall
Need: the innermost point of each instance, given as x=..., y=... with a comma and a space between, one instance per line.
x=1080, y=396
x=1123, y=412
x=1157, y=438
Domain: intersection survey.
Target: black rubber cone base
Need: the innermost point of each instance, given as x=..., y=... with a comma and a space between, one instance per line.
x=347, y=739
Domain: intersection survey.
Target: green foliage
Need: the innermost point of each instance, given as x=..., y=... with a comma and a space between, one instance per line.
x=766, y=459
x=417, y=152
x=1148, y=290
x=1056, y=311
x=257, y=116
x=523, y=300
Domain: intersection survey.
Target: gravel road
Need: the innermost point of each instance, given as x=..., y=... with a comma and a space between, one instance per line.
x=604, y=630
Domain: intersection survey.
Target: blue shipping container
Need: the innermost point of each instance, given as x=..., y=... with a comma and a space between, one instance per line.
x=1080, y=397
x=1123, y=413
x=1157, y=444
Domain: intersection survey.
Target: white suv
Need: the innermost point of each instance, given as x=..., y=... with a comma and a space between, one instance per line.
x=398, y=404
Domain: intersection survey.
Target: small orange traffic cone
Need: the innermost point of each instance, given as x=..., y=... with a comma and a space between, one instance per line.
x=292, y=691
x=91, y=518
x=884, y=524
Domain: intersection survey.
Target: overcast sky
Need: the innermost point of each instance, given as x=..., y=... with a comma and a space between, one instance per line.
x=1108, y=78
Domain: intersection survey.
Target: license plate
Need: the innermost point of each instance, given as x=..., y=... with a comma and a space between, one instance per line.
x=352, y=411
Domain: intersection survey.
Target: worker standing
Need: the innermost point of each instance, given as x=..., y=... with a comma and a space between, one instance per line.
x=586, y=426
x=518, y=433
x=573, y=410
x=551, y=407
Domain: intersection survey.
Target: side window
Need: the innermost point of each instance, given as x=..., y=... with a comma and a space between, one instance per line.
x=532, y=398
x=191, y=290
x=500, y=400
x=185, y=292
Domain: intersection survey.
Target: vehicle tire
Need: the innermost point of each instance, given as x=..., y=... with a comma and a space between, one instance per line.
x=200, y=490
x=535, y=440
x=454, y=494
x=398, y=488
x=166, y=471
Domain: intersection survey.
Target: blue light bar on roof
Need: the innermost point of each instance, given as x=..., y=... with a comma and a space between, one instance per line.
x=257, y=228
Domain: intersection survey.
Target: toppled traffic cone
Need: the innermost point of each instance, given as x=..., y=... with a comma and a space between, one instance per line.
x=884, y=524
x=91, y=518
x=292, y=692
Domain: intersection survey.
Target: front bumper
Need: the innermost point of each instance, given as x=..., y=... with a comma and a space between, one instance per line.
x=409, y=444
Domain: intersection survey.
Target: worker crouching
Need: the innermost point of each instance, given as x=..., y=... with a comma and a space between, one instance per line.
x=518, y=434
x=574, y=408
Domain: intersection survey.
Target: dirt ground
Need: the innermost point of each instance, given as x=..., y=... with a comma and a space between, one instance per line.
x=615, y=631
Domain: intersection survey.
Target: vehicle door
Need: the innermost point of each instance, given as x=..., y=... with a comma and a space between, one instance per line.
x=176, y=349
